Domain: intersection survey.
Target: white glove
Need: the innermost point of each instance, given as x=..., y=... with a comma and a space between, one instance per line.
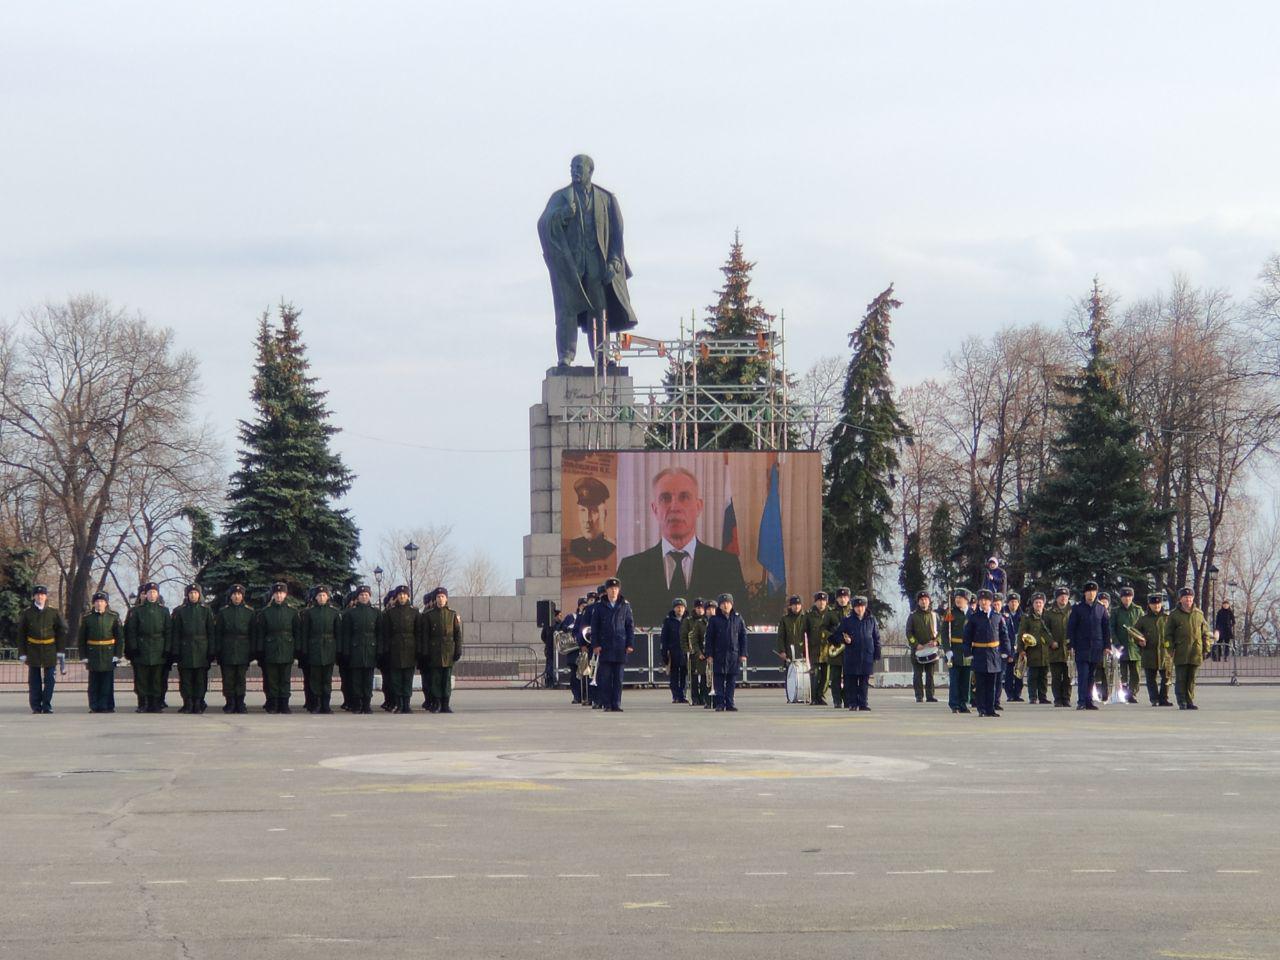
x=84, y=659
x=62, y=656
x=23, y=658
x=114, y=661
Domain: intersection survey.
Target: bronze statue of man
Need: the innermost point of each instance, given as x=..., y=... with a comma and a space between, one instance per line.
x=581, y=236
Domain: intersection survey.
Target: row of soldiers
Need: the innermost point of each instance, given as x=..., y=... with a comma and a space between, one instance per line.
x=192, y=637
x=1044, y=644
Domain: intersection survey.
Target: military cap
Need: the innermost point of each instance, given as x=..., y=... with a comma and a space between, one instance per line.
x=612, y=582
x=1012, y=595
x=679, y=602
x=962, y=592
x=793, y=599
x=445, y=591
x=195, y=587
x=150, y=585
x=400, y=588
x=1061, y=592
x=1186, y=592
x=985, y=594
x=590, y=491
x=236, y=588
x=1155, y=598
x=859, y=601
x=38, y=589
x=699, y=602
x=1037, y=596
x=363, y=588
x=843, y=592
x=1126, y=591
x=279, y=587
x=98, y=596
x=921, y=593
x=320, y=588
x=593, y=596
x=429, y=596
x=725, y=598
x=1091, y=585
x=820, y=595
x=1104, y=595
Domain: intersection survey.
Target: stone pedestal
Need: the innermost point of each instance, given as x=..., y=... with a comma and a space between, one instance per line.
x=550, y=434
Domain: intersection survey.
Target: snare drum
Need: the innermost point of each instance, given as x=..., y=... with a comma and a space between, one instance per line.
x=797, y=685
x=927, y=654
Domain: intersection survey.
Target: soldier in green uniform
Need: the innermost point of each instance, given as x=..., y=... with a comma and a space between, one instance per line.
x=42, y=642
x=693, y=634
x=319, y=644
x=276, y=631
x=1056, y=618
x=397, y=642
x=1189, y=638
x=1124, y=615
x=358, y=644
x=835, y=648
x=959, y=667
x=923, y=633
x=820, y=624
x=441, y=638
x=1034, y=638
x=789, y=640
x=233, y=647
x=146, y=644
x=1157, y=661
x=191, y=648
x=101, y=645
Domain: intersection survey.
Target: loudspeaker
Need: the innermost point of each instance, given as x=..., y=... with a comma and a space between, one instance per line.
x=544, y=612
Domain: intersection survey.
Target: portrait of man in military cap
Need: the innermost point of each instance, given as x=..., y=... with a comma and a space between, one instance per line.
x=593, y=520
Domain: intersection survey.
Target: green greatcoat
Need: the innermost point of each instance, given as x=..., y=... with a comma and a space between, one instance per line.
x=233, y=635
x=358, y=636
x=191, y=636
x=319, y=628
x=441, y=637
x=276, y=627
x=1188, y=636
x=790, y=639
x=42, y=635
x=1155, y=627
x=397, y=639
x=1121, y=617
x=146, y=634
x=1035, y=626
x=1056, y=619
x=819, y=625
x=101, y=638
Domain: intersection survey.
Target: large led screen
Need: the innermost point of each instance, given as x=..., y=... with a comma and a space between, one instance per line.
x=685, y=524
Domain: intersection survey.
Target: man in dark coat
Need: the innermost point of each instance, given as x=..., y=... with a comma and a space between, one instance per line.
x=581, y=235
x=319, y=625
x=693, y=637
x=358, y=645
x=146, y=644
x=1089, y=637
x=726, y=647
x=860, y=635
x=593, y=517
x=986, y=640
x=233, y=647
x=612, y=637
x=671, y=652
x=959, y=667
x=101, y=645
x=1225, y=623
x=276, y=628
x=679, y=563
x=191, y=648
x=42, y=644
x=398, y=644
x=441, y=637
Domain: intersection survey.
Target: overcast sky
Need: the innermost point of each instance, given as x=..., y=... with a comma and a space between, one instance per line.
x=382, y=165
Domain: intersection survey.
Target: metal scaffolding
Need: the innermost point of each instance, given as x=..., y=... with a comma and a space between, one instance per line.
x=685, y=414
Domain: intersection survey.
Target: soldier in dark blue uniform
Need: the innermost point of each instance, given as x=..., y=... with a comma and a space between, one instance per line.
x=997, y=604
x=726, y=648
x=986, y=640
x=613, y=637
x=671, y=651
x=860, y=635
x=1088, y=636
x=1013, y=684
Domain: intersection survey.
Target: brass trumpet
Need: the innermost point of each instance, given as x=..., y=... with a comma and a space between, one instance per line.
x=1028, y=640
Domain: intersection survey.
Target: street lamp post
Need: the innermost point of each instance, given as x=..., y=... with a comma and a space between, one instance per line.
x=1210, y=580
x=411, y=555
x=377, y=578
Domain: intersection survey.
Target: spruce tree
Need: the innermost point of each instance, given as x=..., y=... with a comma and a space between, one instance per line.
x=911, y=575
x=736, y=314
x=1093, y=517
x=942, y=553
x=280, y=522
x=860, y=475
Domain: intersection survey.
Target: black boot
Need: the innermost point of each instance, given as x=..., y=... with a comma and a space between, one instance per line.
x=283, y=706
x=142, y=705
x=324, y=705
x=444, y=705
x=270, y=706
x=406, y=704
x=186, y=706
x=229, y=706
x=240, y=707
x=366, y=706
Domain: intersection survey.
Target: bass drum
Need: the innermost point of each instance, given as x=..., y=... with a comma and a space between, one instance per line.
x=797, y=685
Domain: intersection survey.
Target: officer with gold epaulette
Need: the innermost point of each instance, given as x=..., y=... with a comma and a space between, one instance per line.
x=1157, y=661
x=1189, y=638
x=101, y=645
x=42, y=641
x=146, y=644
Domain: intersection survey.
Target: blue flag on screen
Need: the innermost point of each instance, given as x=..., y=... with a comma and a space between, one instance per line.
x=770, y=551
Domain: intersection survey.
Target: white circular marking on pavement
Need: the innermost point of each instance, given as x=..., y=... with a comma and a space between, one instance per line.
x=657, y=765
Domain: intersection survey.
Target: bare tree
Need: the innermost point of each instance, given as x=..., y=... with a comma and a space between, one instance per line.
x=815, y=401
x=435, y=562
x=86, y=391
x=478, y=576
